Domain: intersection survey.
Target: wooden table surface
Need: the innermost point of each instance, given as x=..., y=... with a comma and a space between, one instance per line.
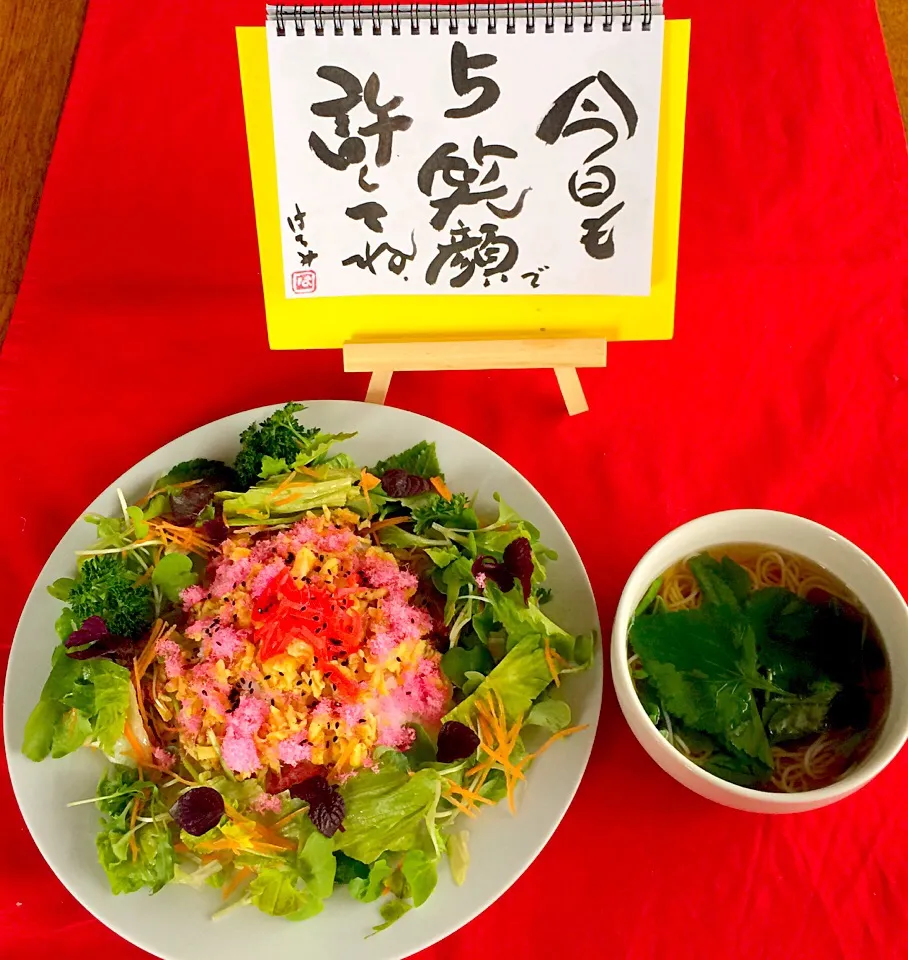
x=38, y=43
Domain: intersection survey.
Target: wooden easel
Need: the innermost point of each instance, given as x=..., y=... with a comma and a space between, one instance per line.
x=383, y=359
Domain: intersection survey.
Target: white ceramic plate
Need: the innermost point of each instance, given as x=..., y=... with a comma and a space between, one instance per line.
x=175, y=923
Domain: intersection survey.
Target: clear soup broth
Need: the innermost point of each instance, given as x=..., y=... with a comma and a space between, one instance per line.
x=761, y=667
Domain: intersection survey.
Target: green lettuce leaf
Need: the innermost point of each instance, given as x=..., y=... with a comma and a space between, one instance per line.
x=61, y=588
x=420, y=874
x=76, y=693
x=519, y=679
x=550, y=714
x=391, y=912
x=421, y=460
x=454, y=577
x=172, y=574
x=457, y=662
x=314, y=449
x=139, y=526
x=521, y=620
x=153, y=867
x=317, y=865
x=386, y=810
x=422, y=750
x=398, y=538
x=472, y=680
x=198, y=469
x=458, y=847
x=280, y=892
x=71, y=731
x=373, y=885
x=39, y=728
x=273, y=467
x=257, y=505
x=112, y=689
x=442, y=556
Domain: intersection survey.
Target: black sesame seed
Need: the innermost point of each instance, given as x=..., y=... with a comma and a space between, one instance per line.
x=267, y=676
x=398, y=659
x=272, y=701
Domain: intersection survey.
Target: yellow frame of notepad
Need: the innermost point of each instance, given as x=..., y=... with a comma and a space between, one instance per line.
x=329, y=322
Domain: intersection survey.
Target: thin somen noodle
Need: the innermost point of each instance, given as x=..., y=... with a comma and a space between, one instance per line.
x=800, y=765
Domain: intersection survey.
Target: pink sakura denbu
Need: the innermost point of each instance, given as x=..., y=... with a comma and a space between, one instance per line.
x=419, y=695
x=238, y=750
x=416, y=695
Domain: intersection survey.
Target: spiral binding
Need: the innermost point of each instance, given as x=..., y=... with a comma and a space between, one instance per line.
x=478, y=17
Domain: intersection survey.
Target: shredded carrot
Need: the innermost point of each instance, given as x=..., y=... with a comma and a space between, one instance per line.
x=368, y=481
x=267, y=847
x=170, y=486
x=497, y=741
x=145, y=658
x=141, y=755
x=179, y=847
x=272, y=839
x=461, y=807
x=170, y=773
x=550, y=663
x=286, y=481
x=227, y=843
x=441, y=488
x=268, y=835
x=234, y=814
x=231, y=885
x=555, y=736
x=387, y=522
x=454, y=787
x=285, y=820
x=187, y=538
x=365, y=483
x=140, y=701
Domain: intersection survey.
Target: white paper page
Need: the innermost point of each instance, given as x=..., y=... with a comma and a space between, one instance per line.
x=504, y=220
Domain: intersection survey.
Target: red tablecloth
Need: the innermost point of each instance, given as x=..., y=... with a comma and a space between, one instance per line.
x=141, y=317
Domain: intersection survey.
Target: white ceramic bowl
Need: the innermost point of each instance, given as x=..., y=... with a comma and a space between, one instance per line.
x=841, y=558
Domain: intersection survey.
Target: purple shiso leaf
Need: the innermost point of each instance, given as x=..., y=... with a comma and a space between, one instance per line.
x=94, y=628
x=518, y=559
x=198, y=810
x=456, y=741
x=399, y=483
x=326, y=805
x=490, y=568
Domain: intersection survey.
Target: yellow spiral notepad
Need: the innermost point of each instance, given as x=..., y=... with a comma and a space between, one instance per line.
x=359, y=97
